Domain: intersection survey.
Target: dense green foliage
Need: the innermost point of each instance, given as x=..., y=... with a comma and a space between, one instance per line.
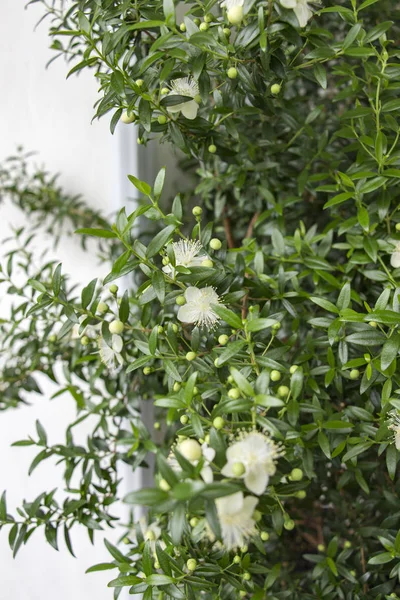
x=284, y=321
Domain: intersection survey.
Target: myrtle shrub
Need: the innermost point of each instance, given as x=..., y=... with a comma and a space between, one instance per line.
x=260, y=316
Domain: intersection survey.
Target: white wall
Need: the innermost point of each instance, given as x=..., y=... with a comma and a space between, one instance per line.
x=42, y=111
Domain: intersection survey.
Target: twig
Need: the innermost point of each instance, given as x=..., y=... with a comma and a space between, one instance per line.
x=228, y=233
x=250, y=228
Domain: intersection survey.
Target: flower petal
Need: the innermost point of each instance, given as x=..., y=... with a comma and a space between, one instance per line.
x=192, y=294
x=303, y=14
x=175, y=108
x=288, y=3
x=256, y=481
x=395, y=260
x=207, y=474
x=189, y=109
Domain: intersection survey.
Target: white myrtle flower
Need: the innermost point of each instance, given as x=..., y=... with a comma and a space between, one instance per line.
x=193, y=452
x=235, y=513
x=187, y=254
x=301, y=9
x=395, y=258
x=198, y=308
x=111, y=355
x=185, y=86
x=252, y=458
x=395, y=427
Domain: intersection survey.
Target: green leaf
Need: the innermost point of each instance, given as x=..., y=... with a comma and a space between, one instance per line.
x=101, y=567
x=228, y=316
x=329, y=306
x=260, y=324
x=142, y=186
x=356, y=450
x=389, y=351
x=160, y=240
x=230, y=351
x=102, y=233
x=146, y=497
x=391, y=461
x=242, y=382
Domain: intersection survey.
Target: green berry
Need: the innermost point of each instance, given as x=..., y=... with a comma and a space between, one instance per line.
x=301, y=494
x=354, y=374
x=212, y=148
x=191, y=564
x=238, y=469
x=180, y=300
x=283, y=391
x=234, y=393
x=162, y=119
x=296, y=475
x=275, y=89
x=190, y=356
x=275, y=375
x=232, y=73
x=184, y=419
x=218, y=423
x=113, y=288
x=215, y=244
x=197, y=210
x=223, y=340
x=85, y=340
x=116, y=327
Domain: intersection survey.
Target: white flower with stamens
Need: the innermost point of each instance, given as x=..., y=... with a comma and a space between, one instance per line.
x=395, y=258
x=111, y=355
x=395, y=427
x=193, y=452
x=235, y=513
x=252, y=458
x=234, y=9
x=185, y=86
x=198, y=308
x=187, y=254
x=301, y=9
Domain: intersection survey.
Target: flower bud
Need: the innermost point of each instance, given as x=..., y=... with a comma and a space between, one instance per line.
x=321, y=547
x=293, y=369
x=227, y=31
x=191, y=564
x=218, y=423
x=190, y=356
x=164, y=91
x=237, y=560
x=204, y=26
x=296, y=475
x=184, y=419
x=116, y=327
x=102, y=307
x=264, y=535
x=85, y=340
x=157, y=425
x=397, y=226
x=301, y=494
x=162, y=119
x=347, y=544
x=283, y=391
x=275, y=89
x=212, y=148
x=244, y=549
x=275, y=375
x=139, y=82
x=215, y=244
x=238, y=469
x=190, y=449
x=147, y=370
x=207, y=263
x=289, y=524
x=235, y=15
x=177, y=386
x=246, y=576
x=232, y=73
x=160, y=329
x=113, y=288
x=208, y=18
x=175, y=328
x=354, y=374
x=373, y=324
x=180, y=300
x=223, y=340
x=193, y=522
x=234, y=393
x=182, y=27
x=128, y=117
x=197, y=210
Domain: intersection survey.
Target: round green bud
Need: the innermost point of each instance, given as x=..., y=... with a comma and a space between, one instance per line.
x=223, y=340
x=301, y=494
x=215, y=244
x=246, y=576
x=102, y=307
x=275, y=375
x=235, y=15
x=175, y=328
x=139, y=82
x=165, y=261
x=177, y=386
x=140, y=141
x=275, y=89
x=182, y=27
x=52, y=338
x=237, y=560
x=164, y=485
x=197, y=98
x=190, y=356
x=164, y=91
x=157, y=425
x=321, y=547
x=353, y=572
x=160, y=329
x=207, y=438
x=212, y=148
x=184, y=419
x=128, y=117
x=156, y=564
x=162, y=119
x=190, y=449
x=216, y=363
x=296, y=475
x=244, y=549
x=373, y=324
x=367, y=357
x=197, y=210
x=238, y=469
x=207, y=263
x=193, y=522
x=257, y=516
x=234, y=393
x=197, y=21
x=150, y=535
x=113, y=288
x=180, y=300
x=397, y=226
x=276, y=326
x=283, y=391
x=242, y=594
x=208, y=18
x=230, y=379
x=191, y=564
x=232, y=73
x=293, y=369
x=218, y=423
x=354, y=374
x=85, y=340
x=347, y=544
x=289, y=524
x=116, y=327
x=195, y=390
x=204, y=26
x=147, y=370
x=227, y=31
x=264, y=535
